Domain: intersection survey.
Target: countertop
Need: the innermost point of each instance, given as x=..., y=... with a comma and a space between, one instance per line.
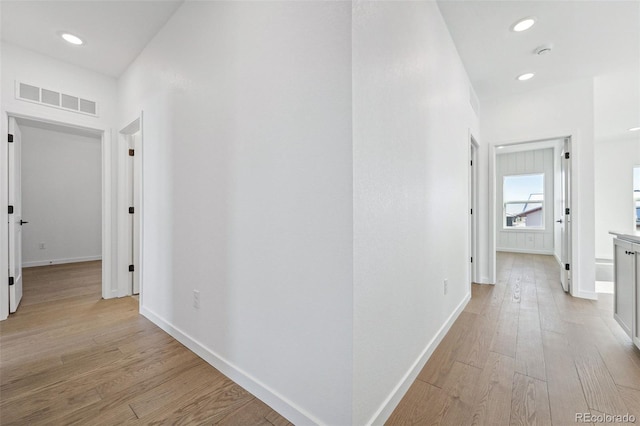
x=627, y=237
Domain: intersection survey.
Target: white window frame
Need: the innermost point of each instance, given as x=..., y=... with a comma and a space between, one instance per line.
x=541, y=202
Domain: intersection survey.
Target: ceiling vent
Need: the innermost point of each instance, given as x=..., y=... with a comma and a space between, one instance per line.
x=52, y=98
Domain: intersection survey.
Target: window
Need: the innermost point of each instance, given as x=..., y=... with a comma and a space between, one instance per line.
x=523, y=198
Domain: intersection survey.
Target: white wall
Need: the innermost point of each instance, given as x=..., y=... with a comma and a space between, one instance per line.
x=615, y=208
x=524, y=240
x=30, y=67
x=61, y=197
x=547, y=114
x=43, y=71
x=617, y=152
x=247, y=180
x=412, y=117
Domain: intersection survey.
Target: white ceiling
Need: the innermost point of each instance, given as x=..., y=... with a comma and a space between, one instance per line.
x=590, y=38
x=115, y=32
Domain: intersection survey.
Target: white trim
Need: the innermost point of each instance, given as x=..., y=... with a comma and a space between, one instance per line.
x=269, y=396
x=4, y=219
x=123, y=218
x=474, y=148
x=591, y=295
x=60, y=261
x=492, y=214
x=521, y=145
x=107, y=191
x=393, y=399
x=527, y=251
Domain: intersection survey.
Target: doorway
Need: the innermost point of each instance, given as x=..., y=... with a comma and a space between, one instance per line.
x=30, y=248
x=530, y=202
x=130, y=208
x=473, y=200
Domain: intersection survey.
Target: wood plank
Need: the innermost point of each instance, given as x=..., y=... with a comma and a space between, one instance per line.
x=599, y=388
x=493, y=391
x=529, y=402
x=529, y=352
x=422, y=404
x=252, y=413
x=69, y=357
x=631, y=399
x=566, y=396
x=443, y=358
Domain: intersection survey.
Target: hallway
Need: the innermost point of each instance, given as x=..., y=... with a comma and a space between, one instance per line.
x=70, y=357
x=524, y=352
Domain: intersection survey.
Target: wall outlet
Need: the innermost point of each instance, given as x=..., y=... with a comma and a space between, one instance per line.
x=446, y=286
x=42, y=246
x=196, y=299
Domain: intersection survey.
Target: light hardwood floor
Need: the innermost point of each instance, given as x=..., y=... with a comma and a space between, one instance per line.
x=522, y=352
x=525, y=353
x=68, y=357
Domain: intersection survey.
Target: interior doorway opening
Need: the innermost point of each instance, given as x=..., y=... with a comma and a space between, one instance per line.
x=56, y=215
x=531, y=202
x=130, y=208
x=473, y=209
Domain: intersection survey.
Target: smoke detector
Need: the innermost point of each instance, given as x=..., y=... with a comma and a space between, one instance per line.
x=543, y=50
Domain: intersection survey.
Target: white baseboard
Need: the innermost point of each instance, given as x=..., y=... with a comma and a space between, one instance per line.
x=391, y=402
x=604, y=270
x=555, y=255
x=591, y=295
x=281, y=404
x=526, y=251
x=60, y=261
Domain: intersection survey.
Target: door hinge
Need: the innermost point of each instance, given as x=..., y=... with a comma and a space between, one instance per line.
x=472, y=162
x=131, y=210
x=10, y=138
x=567, y=211
x=132, y=152
x=471, y=211
x=471, y=259
x=131, y=269
x=10, y=209
x=566, y=155
x=567, y=267
x=11, y=280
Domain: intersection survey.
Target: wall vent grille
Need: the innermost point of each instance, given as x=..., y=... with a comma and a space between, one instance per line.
x=56, y=99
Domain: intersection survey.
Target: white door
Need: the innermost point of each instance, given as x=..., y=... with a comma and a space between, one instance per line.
x=565, y=216
x=15, y=217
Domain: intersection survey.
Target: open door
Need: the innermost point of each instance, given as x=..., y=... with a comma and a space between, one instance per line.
x=15, y=216
x=565, y=216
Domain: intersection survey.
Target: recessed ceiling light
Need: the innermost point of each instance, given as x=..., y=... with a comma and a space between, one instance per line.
x=500, y=147
x=634, y=129
x=525, y=77
x=523, y=24
x=70, y=38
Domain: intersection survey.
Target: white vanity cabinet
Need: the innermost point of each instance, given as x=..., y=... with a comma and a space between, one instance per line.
x=626, y=303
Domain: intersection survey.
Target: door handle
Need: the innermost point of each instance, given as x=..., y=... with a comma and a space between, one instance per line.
x=559, y=221
x=22, y=222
